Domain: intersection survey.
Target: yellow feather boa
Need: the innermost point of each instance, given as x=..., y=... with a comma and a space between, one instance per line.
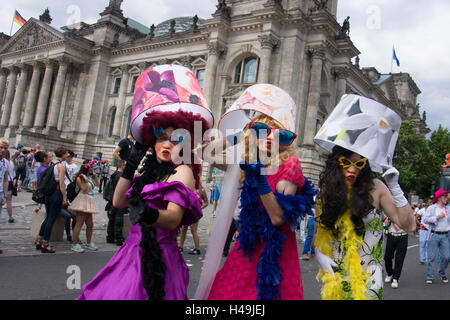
x=355, y=287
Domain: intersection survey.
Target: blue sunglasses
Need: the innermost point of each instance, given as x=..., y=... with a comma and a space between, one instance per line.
x=262, y=130
x=162, y=136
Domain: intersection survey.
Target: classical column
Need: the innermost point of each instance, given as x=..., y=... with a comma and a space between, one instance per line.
x=33, y=93
x=17, y=106
x=268, y=43
x=3, y=77
x=55, y=108
x=215, y=51
x=13, y=71
x=79, y=97
x=120, y=108
x=318, y=55
x=342, y=75
x=44, y=95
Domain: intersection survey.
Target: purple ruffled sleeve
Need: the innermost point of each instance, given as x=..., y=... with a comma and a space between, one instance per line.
x=158, y=195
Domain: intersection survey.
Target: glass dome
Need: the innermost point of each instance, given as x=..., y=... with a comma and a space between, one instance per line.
x=182, y=24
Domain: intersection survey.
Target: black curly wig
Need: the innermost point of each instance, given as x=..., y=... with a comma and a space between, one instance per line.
x=333, y=192
x=153, y=267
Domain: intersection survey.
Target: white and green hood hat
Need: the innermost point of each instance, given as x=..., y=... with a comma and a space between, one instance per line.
x=364, y=126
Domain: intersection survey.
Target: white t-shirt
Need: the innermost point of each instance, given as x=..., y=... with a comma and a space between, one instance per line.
x=421, y=213
x=71, y=169
x=4, y=167
x=12, y=174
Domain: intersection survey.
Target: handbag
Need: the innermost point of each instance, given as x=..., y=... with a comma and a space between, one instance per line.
x=38, y=197
x=13, y=188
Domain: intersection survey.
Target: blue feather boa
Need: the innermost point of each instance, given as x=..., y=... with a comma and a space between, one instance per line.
x=255, y=225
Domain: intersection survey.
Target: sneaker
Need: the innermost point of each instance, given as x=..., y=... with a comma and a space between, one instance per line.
x=77, y=248
x=69, y=238
x=394, y=284
x=444, y=279
x=180, y=248
x=109, y=240
x=90, y=246
x=429, y=281
x=388, y=279
x=304, y=257
x=194, y=251
x=11, y=220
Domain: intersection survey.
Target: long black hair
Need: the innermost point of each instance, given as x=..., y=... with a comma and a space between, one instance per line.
x=333, y=192
x=153, y=267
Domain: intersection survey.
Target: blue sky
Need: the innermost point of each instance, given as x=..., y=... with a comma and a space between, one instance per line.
x=416, y=28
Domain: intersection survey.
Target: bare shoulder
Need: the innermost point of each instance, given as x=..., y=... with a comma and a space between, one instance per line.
x=185, y=175
x=378, y=190
x=380, y=187
x=377, y=182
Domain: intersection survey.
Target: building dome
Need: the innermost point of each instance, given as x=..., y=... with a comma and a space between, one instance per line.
x=181, y=24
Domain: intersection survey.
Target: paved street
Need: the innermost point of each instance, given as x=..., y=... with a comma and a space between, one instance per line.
x=29, y=274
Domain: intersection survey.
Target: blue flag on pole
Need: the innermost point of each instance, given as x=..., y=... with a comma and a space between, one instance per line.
x=394, y=56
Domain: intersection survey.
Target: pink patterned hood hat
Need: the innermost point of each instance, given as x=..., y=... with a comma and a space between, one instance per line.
x=363, y=126
x=167, y=88
x=263, y=98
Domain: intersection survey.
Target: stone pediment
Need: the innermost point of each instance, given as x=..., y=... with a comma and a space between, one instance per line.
x=32, y=34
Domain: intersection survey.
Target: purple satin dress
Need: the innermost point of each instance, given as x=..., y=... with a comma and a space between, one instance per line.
x=121, y=278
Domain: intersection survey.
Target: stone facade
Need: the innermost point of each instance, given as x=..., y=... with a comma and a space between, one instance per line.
x=74, y=87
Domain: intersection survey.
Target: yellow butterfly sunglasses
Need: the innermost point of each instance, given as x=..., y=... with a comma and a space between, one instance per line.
x=346, y=163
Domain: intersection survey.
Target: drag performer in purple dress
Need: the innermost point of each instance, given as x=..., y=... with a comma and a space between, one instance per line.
x=160, y=199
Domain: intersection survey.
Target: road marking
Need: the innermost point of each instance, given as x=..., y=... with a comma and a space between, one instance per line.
x=416, y=245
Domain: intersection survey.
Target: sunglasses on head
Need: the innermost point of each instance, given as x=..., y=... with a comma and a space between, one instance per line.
x=162, y=136
x=346, y=163
x=262, y=130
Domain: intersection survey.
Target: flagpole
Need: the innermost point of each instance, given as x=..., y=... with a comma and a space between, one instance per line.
x=392, y=59
x=12, y=23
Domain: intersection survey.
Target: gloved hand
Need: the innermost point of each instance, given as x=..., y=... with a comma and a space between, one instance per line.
x=325, y=262
x=141, y=211
x=137, y=153
x=254, y=171
x=391, y=175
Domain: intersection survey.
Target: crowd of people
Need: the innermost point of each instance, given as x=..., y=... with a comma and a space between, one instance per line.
x=261, y=201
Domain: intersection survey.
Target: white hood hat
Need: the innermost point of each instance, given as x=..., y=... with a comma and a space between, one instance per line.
x=364, y=126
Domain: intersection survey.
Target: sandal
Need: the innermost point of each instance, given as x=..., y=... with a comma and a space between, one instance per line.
x=38, y=244
x=46, y=248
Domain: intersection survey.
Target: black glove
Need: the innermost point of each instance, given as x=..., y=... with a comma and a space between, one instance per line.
x=141, y=211
x=137, y=153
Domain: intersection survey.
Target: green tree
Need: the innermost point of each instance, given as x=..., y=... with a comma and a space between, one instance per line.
x=440, y=143
x=416, y=161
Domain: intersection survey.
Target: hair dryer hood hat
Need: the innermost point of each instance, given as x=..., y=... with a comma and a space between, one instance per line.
x=262, y=98
x=167, y=88
x=364, y=126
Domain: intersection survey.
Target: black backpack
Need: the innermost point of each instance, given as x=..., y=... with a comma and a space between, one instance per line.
x=46, y=185
x=108, y=191
x=71, y=189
